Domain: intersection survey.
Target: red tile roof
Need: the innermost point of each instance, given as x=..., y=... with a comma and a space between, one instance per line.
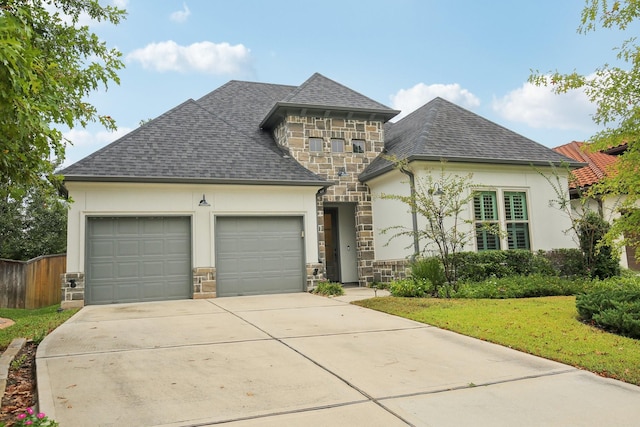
x=598, y=163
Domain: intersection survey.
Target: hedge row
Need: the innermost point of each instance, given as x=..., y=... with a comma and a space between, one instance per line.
x=614, y=305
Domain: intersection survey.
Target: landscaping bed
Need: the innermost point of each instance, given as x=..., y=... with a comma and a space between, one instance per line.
x=21, y=390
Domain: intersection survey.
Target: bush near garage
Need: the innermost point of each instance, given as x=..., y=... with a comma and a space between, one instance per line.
x=410, y=287
x=613, y=305
x=328, y=289
x=429, y=269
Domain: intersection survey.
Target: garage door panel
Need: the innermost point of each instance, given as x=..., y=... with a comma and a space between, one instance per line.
x=127, y=270
x=150, y=228
x=153, y=269
x=103, y=293
x=101, y=248
x=127, y=227
x=176, y=246
x=127, y=292
x=127, y=248
x=259, y=255
x=101, y=270
x=152, y=247
x=138, y=259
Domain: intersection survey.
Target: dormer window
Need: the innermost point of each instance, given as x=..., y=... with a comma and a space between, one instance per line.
x=357, y=145
x=337, y=145
x=315, y=145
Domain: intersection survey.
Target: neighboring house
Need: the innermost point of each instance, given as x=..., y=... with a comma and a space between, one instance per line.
x=599, y=165
x=260, y=188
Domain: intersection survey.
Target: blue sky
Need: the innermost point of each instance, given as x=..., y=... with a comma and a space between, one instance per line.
x=401, y=53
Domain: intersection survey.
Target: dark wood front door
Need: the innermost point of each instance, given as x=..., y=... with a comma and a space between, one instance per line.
x=331, y=244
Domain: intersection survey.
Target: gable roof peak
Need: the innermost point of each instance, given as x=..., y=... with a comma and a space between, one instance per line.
x=321, y=95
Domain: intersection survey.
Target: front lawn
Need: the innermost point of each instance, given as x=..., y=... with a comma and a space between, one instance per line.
x=31, y=324
x=546, y=327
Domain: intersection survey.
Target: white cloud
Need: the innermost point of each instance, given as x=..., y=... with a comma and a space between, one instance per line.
x=84, y=142
x=181, y=16
x=204, y=57
x=121, y=4
x=408, y=100
x=539, y=107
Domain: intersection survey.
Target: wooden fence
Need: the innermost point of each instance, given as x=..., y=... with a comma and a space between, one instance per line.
x=31, y=284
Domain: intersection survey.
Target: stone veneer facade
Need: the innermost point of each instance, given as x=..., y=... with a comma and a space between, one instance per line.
x=293, y=133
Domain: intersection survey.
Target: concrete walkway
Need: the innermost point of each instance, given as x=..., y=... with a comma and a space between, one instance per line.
x=301, y=359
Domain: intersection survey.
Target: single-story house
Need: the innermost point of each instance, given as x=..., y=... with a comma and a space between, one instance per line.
x=599, y=164
x=260, y=188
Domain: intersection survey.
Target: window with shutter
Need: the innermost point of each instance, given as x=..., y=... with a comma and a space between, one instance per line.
x=485, y=211
x=517, y=220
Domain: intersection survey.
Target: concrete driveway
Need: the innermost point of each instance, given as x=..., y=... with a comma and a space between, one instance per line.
x=301, y=359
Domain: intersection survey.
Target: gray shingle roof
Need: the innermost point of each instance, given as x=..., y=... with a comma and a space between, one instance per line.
x=442, y=130
x=218, y=138
x=323, y=94
x=191, y=144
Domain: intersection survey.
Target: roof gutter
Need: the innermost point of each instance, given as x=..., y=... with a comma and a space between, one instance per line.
x=414, y=214
x=514, y=162
x=171, y=180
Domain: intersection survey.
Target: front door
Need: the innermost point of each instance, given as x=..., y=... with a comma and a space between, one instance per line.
x=331, y=244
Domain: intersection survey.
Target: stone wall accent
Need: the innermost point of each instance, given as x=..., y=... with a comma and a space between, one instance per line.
x=292, y=135
x=204, y=282
x=315, y=275
x=388, y=271
x=72, y=297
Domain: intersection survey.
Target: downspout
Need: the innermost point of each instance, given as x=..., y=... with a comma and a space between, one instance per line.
x=414, y=214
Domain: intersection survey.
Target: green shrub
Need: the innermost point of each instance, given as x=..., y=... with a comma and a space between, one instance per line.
x=410, y=287
x=567, y=262
x=328, y=288
x=430, y=269
x=613, y=305
x=534, y=285
x=478, y=266
x=602, y=262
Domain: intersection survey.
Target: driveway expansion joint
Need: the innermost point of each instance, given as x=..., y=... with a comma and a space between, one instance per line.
x=324, y=368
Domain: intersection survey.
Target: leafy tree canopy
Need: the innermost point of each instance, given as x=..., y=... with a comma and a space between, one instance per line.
x=49, y=63
x=615, y=91
x=33, y=225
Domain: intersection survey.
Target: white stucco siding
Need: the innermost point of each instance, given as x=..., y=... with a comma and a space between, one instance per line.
x=609, y=207
x=390, y=213
x=547, y=224
x=127, y=199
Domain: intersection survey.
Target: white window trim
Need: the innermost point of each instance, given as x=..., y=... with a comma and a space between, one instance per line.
x=502, y=215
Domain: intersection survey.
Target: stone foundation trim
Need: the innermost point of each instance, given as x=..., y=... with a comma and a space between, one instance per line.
x=204, y=282
x=386, y=271
x=72, y=297
x=315, y=275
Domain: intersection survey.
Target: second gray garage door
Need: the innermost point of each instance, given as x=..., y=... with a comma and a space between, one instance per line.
x=259, y=255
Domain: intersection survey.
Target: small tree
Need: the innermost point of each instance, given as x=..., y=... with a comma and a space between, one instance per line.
x=590, y=229
x=600, y=259
x=440, y=199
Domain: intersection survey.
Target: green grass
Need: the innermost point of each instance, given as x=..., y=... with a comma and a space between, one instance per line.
x=546, y=327
x=31, y=324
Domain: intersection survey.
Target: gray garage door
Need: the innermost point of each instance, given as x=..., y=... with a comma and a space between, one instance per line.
x=138, y=259
x=259, y=255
